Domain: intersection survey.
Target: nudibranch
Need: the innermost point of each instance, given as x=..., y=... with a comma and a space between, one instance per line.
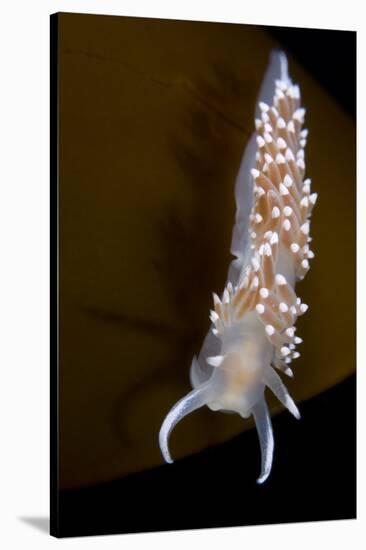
x=253, y=331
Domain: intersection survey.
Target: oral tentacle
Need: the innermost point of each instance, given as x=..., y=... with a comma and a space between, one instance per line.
x=265, y=434
x=191, y=402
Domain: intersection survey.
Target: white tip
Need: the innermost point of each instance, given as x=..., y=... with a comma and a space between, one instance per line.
x=264, y=293
x=288, y=180
x=287, y=211
x=304, y=202
x=281, y=85
x=280, y=159
x=305, y=264
x=258, y=123
x=275, y=212
x=267, y=137
x=298, y=340
x=263, y=106
x=289, y=372
x=255, y=263
x=291, y=127
x=286, y=224
x=285, y=351
x=304, y=308
x=213, y=316
x=293, y=310
x=215, y=360
x=296, y=355
x=258, y=218
x=304, y=133
x=260, y=308
x=295, y=248
x=281, y=123
x=305, y=228
x=260, y=141
x=274, y=238
x=290, y=332
x=283, y=189
x=226, y=297
x=255, y=173
x=268, y=158
x=216, y=299
x=281, y=143
x=267, y=249
x=255, y=282
x=289, y=155
x=283, y=307
x=280, y=279
x=295, y=91
x=270, y=330
x=313, y=198
x=300, y=163
x=299, y=115
x=268, y=128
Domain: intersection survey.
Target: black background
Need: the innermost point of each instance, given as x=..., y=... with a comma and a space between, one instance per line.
x=314, y=471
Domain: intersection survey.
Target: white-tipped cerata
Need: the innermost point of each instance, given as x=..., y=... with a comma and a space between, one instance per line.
x=275, y=384
x=215, y=361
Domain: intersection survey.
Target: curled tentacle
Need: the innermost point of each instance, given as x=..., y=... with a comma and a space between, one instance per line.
x=192, y=401
x=265, y=433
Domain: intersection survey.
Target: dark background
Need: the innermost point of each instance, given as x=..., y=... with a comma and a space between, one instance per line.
x=330, y=56
x=213, y=488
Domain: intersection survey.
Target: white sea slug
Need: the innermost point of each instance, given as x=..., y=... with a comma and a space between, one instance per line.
x=253, y=323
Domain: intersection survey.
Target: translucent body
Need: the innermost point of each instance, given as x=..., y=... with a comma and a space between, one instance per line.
x=252, y=324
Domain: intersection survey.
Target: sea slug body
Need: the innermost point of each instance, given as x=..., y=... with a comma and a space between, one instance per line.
x=253, y=331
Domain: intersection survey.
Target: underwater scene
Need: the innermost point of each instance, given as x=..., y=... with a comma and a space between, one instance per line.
x=204, y=206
